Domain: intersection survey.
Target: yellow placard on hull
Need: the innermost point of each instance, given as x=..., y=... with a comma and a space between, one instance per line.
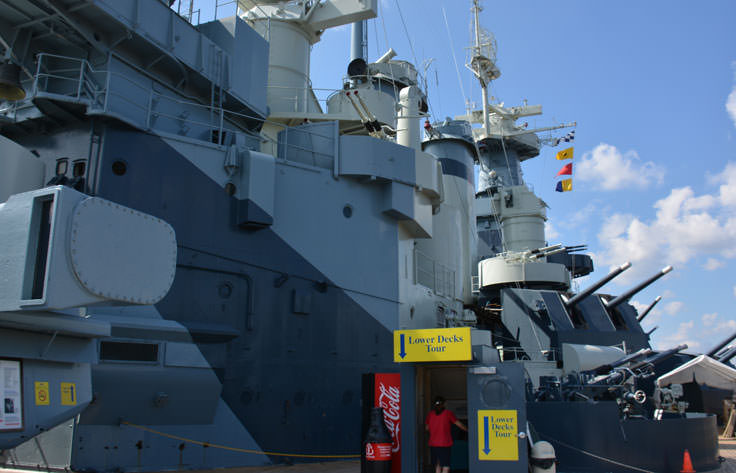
x=436, y=344
x=498, y=435
x=41, y=389
x=68, y=394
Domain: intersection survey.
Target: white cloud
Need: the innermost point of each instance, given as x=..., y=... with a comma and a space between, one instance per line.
x=727, y=188
x=551, y=233
x=731, y=100
x=686, y=226
x=610, y=169
x=582, y=216
x=708, y=319
x=729, y=324
x=731, y=105
x=712, y=264
x=684, y=334
x=672, y=308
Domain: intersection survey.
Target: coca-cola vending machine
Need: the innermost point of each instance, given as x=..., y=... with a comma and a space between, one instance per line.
x=384, y=390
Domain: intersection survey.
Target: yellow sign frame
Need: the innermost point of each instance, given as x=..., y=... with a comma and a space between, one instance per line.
x=435, y=344
x=498, y=437
x=68, y=394
x=42, y=393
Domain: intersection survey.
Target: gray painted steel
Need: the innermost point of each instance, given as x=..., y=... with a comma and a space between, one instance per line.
x=291, y=271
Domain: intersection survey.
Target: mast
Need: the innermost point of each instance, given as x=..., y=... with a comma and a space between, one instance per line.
x=482, y=62
x=484, y=87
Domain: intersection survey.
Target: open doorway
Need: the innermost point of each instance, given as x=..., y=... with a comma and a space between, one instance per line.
x=450, y=382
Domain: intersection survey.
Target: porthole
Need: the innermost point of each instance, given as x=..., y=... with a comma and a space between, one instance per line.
x=347, y=211
x=495, y=392
x=119, y=168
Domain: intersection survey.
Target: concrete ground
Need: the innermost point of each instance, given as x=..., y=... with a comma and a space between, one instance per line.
x=727, y=450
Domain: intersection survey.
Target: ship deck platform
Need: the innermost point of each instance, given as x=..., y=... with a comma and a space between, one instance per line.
x=727, y=451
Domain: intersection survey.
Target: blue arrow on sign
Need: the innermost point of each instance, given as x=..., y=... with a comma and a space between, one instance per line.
x=486, y=440
x=402, y=350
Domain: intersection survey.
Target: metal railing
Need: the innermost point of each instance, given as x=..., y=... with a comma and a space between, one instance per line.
x=298, y=99
x=475, y=284
x=79, y=82
x=199, y=11
x=519, y=354
x=74, y=80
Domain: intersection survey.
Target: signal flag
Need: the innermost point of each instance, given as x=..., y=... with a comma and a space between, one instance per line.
x=566, y=169
x=564, y=154
x=569, y=138
x=564, y=185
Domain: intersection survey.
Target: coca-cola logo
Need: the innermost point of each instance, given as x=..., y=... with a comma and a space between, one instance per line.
x=389, y=399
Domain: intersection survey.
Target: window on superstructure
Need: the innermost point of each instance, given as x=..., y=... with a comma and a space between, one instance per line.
x=129, y=351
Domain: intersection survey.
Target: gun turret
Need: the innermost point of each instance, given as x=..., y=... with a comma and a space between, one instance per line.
x=648, y=309
x=721, y=345
x=628, y=294
x=590, y=290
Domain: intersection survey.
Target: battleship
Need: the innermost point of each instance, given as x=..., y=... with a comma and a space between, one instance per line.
x=202, y=265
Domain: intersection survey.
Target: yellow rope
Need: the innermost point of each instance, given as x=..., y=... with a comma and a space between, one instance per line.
x=233, y=449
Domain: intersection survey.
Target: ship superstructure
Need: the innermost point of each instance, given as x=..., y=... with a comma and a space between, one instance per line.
x=200, y=259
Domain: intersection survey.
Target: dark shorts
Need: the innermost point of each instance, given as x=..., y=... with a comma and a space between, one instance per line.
x=440, y=455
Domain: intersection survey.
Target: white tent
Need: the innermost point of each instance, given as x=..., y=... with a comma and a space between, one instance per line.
x=703, y=370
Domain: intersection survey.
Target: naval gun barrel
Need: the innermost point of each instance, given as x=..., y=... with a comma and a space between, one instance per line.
x=726, y=357
x=648, y=309
x=639, y=369
x=659, y=357
x=608, y=367
x=627, y=295
x=721, y=345
x=631, y=357
x=590, y=290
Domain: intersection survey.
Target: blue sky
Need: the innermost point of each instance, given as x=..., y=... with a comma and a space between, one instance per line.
x=652, y=86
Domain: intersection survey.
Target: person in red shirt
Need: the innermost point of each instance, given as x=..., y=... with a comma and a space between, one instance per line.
x=438, y=424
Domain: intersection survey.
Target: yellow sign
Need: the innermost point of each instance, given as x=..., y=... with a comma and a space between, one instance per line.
x=68, y=394
x=436, y=344
x=498, y=435
x=42, y=393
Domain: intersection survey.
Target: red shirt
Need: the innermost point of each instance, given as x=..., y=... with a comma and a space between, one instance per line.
x=439, y=428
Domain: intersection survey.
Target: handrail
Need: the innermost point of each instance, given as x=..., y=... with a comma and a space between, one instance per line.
x=88, y=88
